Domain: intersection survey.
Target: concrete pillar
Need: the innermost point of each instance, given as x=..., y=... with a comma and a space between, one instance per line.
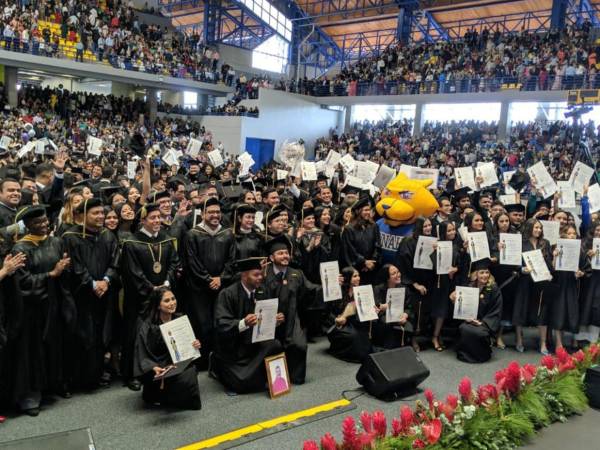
x=10, y=85
x=202, y=102
x=503, y=123
x=152, y=103
x=347, y=119
x=418, y=119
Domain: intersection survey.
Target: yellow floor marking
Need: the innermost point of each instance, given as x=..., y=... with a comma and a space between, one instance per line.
x=260, y=426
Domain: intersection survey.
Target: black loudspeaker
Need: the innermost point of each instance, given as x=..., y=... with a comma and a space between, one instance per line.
x=592, y=386
x=392, y=374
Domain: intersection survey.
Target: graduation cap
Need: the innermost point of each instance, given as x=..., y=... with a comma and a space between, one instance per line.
x=275, y=212
x=322, y=177
x=30, y=212
x=280, y=242
x=83, y=183
x=244, y=265
x=516, y=207
x=519, y=180
x=350, y=190
x=107, y=192
x=245, y=208
x=306, y=212
x=156, y=196
x=147, y=209
x=482, y=264
x=211, y=201
x=77, y=169
x=193, y=162
x=137, y=145
x=546, y=203
x=361, y=203
x=174, y=181
x=88, y=204
x=491, y=193
x=459, y=194
x=230, y=191
x=4, y=152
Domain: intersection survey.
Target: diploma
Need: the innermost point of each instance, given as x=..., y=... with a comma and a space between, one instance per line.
x=542, y=180
x=193, y=148
x=580, y=176
x=443, y=257
x=567, y=195
x=422, y=258
x=131, y=169
x=365, y=303
x=330, y=272
x=282, y=174
x=535, y=262
x=179, y=336
x=567, y=259
x=309, y=171
x=506, y=176
x=347, y=163
x=215, y=158
x=594, y=198
x=466, y=304
x=395, y=304
x=464, y=178
x=551, y=229
x=487, y=171
x=508, y=199
x=384, y=175
x=595, y=258
x=478, y=246
x=365, y=171
x=266, y=314
x=333, y=158
x=94, y=146
x=510, y=249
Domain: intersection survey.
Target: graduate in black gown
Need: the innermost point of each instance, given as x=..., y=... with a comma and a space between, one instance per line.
x=394, y=334
x=207, y=255
x=248, y=240
x=296, y=295
x=476, y=336
x=93, y=251
x=444, y=283
x=45, y=308
x=589, y=301
x=148, y=260
x=418, y=281
x=152, y=357
x=506, y=276
x=361, y=247
x=237, y=362
x=564, y=309
x=349, y=338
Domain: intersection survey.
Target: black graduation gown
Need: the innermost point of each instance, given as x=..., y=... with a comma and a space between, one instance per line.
x=391, y=335
x=351, y=342
x=507, y=279
x=589, y=302
x=532, y=300
x=475, y=342
x=178, y=391
x=421, y=304
x=443, y=286
x=310, y=261
x=138, y=256
x=7, y=215
x=564, y=307
x=360, y=244
x=295, y=294
x=239, y=363
x=204, y=257
x=93, y=257
x=248, y=245
x=45, y=306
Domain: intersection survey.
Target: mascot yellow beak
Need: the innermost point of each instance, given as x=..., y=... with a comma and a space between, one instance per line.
x=405, y=200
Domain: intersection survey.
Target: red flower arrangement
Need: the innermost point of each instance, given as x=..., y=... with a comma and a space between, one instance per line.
x=426, y=426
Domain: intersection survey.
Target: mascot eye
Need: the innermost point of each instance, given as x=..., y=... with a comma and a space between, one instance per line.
x=406, y=195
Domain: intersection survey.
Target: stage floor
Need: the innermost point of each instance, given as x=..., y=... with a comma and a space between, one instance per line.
x=118, y=419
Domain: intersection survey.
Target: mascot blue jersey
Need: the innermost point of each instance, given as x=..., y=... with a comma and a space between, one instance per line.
x=391, y=238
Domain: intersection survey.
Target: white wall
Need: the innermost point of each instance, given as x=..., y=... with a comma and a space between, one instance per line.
x=225, y=129
x=241, y=60
x=284, y=116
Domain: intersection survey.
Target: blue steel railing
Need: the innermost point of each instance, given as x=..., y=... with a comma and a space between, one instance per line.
x=464, y=85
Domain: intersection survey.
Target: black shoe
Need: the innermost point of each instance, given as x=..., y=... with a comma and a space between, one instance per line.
x=65, y=391
x=134, y=385
x=33, y=412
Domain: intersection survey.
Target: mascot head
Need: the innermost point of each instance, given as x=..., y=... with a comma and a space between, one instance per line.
x=404, y=200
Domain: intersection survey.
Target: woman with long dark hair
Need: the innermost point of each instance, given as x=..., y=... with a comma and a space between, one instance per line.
x=391, y=335
x=476, y=335
x=248, y=238
x=350, y=339
x=324, y=222
x=152, y=357
x=506, y=276
x=419, y=282
x=444, y=283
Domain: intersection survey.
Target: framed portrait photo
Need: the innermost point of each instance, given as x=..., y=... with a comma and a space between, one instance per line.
x=277, y=373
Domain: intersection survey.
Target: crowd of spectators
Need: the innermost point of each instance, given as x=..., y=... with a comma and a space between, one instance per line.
x=113, y=32
x=445, y=146
x=479, y=62
x=231, y=108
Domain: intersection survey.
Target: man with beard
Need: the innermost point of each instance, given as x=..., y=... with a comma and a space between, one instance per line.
x=149, y=260
x=93, y=251
x=238, y=362
x=516, y=215
x=207, y=254
x=10, y=197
